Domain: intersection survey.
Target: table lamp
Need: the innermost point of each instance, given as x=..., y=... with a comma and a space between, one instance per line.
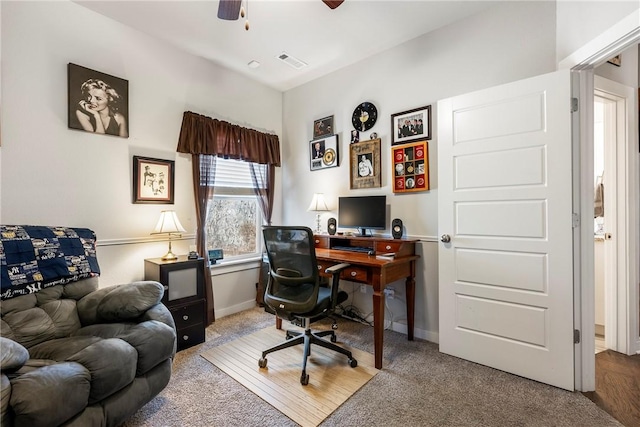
x=169, y=224
x=318, y=205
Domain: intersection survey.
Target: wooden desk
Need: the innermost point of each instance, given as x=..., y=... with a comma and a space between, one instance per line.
x=374, y=272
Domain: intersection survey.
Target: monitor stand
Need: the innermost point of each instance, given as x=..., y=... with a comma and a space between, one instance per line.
x=363, y=233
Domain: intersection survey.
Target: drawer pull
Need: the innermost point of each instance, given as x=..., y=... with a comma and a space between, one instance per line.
x=185, y=317
x=388, y=247
x=319, y=267
x=185, y=337
x=317, y=241
x=354, y=274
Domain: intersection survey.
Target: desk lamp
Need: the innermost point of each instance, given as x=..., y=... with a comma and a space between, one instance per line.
x=318, y=205
x=169, y=224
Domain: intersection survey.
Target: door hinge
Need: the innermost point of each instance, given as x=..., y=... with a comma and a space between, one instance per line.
x=574, y=105
x=575, y=220
x=576, y=336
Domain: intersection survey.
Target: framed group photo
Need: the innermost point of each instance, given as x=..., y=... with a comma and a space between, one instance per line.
x=411, y=125
x=364, y=164
x=323, y=153
x=323, y=127
x=97, y=102
x=153, y=180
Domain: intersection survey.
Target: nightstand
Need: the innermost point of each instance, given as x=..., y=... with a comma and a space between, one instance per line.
x=183, y=281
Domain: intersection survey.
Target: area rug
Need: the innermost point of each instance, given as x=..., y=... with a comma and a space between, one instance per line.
x=331, y=380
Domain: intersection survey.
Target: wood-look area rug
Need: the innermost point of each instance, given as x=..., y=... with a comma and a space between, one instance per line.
x=331, y=380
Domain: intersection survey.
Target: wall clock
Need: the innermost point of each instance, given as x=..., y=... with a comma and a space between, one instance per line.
x=364, y=116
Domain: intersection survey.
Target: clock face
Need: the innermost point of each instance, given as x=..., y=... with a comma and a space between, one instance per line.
x=364, y=116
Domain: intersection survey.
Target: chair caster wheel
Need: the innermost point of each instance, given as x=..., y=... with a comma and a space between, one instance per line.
x=333, y=338
x=304, y=378
x=353, y=363
x=334, y=326
x=262, y=362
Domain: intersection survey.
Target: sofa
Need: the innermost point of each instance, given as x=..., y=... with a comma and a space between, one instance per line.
x=72, y=353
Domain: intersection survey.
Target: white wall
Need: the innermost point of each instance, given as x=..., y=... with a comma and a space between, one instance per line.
x=52, y=175
x=579, y=22
x=508, y=43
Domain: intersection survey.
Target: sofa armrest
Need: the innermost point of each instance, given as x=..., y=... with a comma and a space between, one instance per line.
x=12, y=355
x=118, y=303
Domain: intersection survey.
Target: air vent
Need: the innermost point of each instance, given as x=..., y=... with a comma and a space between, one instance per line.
x=291, y=61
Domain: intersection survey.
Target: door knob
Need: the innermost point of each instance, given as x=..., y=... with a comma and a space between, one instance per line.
x=445, y=238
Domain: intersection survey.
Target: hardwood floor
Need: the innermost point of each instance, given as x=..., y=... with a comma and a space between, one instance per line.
x=618, y=386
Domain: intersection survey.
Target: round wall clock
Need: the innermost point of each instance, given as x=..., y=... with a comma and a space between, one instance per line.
x=364, y=116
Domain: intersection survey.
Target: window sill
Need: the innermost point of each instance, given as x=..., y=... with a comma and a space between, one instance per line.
x=226, y=267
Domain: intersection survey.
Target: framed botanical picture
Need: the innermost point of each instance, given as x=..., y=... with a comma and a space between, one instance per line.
x=364, y=164
x=153, y=180
x=323, y=153
x=323, y=127
x=411, y=125
x=97, y=102
x=410, y=166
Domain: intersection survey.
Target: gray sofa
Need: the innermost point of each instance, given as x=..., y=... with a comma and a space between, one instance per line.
x=71, y=353
x=76, y=355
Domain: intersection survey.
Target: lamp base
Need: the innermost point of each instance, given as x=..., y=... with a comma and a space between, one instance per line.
x=169, y=256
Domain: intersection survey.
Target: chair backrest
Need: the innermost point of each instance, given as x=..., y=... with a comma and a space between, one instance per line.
x=294, y=280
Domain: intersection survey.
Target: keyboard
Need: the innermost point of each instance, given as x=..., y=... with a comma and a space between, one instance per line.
x=362, y=249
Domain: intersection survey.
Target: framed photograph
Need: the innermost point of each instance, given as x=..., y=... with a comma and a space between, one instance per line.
x=323, y=153
x=323, y=127
x=153, y=180
x=364, y=165
x=616, y=60
x=411, y=125
x=97, y=102
x=410, y=166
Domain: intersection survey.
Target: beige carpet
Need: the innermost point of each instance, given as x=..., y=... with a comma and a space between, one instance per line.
x=331, y=380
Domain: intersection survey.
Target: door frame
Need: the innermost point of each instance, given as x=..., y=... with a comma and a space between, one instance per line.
x=582, y=63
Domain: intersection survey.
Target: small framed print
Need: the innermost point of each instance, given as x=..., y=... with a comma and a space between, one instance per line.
x=323, y=127
x=323, y=153
x=411, y=125
x=364, y=164
x=410, y=166
x=153, y=180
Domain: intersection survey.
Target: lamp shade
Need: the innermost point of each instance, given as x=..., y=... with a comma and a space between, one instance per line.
x=168, y=223
x=317, y=203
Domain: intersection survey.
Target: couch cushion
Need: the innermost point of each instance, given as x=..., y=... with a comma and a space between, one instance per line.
x=153, y=340
x=12, y=355
x=63, y=386
x=111, y=362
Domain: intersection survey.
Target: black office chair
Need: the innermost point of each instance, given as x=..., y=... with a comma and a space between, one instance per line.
x=295, y=292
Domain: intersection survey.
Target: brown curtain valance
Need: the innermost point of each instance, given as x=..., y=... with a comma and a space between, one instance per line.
x=204, y=135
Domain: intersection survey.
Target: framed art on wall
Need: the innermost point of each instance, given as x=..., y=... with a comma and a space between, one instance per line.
x=364, y=164
x=410, y=166
x=411, y=125
x=323, y=127
x=153, y=180
x=97, y=102
x=323, y=153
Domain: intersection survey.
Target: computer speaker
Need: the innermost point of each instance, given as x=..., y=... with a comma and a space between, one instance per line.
x=332, y=226
x=396, y=228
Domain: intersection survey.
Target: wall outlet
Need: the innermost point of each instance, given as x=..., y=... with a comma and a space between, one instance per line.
x=390, y=292
x=363, y=289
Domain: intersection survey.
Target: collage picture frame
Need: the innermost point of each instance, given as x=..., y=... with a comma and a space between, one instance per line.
x=153, y=180
x=410, y=167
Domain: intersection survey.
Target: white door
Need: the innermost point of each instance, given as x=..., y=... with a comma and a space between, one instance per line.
x=504, y=200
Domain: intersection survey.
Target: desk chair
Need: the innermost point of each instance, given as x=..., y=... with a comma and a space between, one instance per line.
x=295, y=293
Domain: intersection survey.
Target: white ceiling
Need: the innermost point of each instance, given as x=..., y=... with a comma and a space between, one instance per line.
x=325, y=39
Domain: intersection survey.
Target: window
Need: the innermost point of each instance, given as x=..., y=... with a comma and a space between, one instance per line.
x=234, y=220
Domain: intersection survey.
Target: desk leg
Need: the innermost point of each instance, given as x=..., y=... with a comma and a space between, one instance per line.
x=411, y=305
x=378, y=323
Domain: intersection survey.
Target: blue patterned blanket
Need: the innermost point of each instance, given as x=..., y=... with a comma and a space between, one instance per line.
x=35, y=257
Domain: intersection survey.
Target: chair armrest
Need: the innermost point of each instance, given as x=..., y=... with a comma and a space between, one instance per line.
x=118, y=303
x=335, y=281
x=13, y=355
x=337, y=268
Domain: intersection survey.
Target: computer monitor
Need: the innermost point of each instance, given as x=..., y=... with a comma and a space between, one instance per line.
x=363, y=212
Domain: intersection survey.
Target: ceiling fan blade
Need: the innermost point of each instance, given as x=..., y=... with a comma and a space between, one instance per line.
x=333, y=3
x=229, y=9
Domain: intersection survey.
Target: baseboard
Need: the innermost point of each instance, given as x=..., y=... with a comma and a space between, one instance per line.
x=417, y=333
x=227, y=311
